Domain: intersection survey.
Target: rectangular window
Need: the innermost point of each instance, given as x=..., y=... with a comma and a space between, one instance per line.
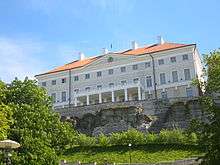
x=173, y=59
x=189, y=92
x=164, y=95
x=124, y=82
x=187, y=74
x=63, y=96
x=87, y=76
x=87, y=88
x=136, y=80
x=44, y=84
x=99, y=74
x=53, y=82
x=161, y=61
x=162, y=78
x=76, y=90
x=99, y=87
x=110, y=71
x=185, y=57
x=123, y=69
x=175, y=76
x=63, y=80
x=149, y=81
x=76, y=78
x=111, y=85
x=135, y=67
x=53, y=96
x=147, y=64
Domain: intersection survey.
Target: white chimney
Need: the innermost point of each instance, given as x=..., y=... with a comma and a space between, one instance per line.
x=134, y=45
x=81, y=56
x=104, y=51
x=160, y=40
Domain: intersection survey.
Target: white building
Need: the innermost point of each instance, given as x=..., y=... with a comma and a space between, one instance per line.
x=162, y=70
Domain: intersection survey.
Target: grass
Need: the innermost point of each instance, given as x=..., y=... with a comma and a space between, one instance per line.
x=151, y=153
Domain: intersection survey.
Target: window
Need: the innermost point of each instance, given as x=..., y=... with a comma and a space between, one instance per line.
x=136, y=80
x=53, y=82
x=111, y=85
x=76, y=90
x=173, y=59
x=76, y=78
x=44, y=83
x=63, y=96
x=87, y=76
x=162, y=78
x=187, y=74
x=110, y=59
x=123, y=69
x=175, y=76
x=185, y=57
x=189, y=92
x=63, y=80
x=135, y=67
x=99, y=87
x=164, y=95
x=53, y=95
x=147, y=64
x=110, y=71
x=161, y=61
x=87, y=88
x=124, y=82
x=149, y=81
x=99, y=74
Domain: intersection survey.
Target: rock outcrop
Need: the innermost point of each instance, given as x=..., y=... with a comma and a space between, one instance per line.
x=111, y=120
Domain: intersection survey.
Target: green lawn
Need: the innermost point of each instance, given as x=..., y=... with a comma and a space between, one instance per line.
x=140, y=154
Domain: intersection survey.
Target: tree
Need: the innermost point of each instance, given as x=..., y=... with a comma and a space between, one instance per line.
x=211, y=129
x=35, y=126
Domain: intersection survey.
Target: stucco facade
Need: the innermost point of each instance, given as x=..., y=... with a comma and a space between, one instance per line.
x=115, y=77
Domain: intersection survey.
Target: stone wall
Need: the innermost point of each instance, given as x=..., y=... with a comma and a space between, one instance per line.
x=145, y=115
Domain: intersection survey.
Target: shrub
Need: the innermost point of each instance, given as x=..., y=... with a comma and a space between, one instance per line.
x=151, y=138
x=131, y=136
x=117, y=139
x=103, y=140
x=83, y=140
x=174, y=136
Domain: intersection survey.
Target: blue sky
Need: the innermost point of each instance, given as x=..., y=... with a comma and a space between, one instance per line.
x=37, y=35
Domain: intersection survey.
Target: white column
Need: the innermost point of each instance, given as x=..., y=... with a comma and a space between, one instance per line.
x=100, y=97
x=113, y=96
x=87, y=99
x=126, y=94
x=75, y=101
x=139, y=93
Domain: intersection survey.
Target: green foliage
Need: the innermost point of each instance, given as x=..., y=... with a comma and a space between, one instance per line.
x=103, y=140
x=211, y=130
x=83, y=140
x=34, y=124
x=169, y=137
x=151, y=138
x=131, y=136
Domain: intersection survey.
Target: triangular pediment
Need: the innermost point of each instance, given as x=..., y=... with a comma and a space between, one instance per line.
x=109, y=60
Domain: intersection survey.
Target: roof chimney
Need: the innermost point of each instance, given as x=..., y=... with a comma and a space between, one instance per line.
x=160, y=40
x=104, y=51
x=134, y=45
x=81, y=56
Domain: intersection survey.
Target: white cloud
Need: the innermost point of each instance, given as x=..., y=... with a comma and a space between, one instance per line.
x=18, y=58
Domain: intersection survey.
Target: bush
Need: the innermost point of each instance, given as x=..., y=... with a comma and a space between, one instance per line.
x=174, y=136
x=103, y=140
x=83, y=140
x=131, y=136
x=151, y=138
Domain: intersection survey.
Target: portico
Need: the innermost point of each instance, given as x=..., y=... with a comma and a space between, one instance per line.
x=118, y=93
